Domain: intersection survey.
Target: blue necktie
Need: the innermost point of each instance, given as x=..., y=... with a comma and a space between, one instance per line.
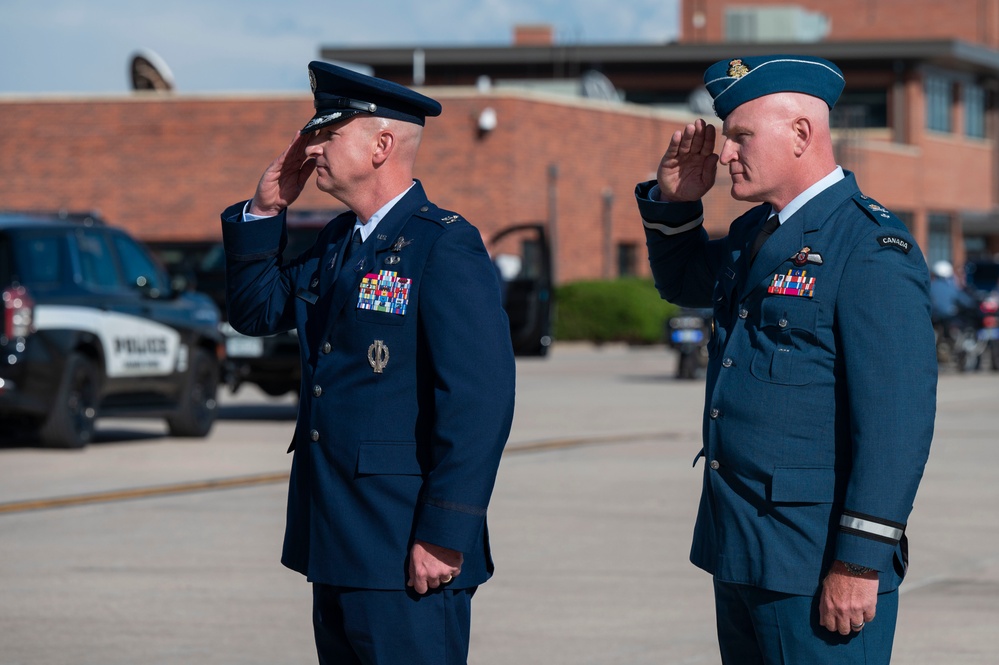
x=355, y=242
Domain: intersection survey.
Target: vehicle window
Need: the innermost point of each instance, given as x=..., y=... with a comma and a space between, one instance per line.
x=39, y=260
x=139, y=268
x=97, y=268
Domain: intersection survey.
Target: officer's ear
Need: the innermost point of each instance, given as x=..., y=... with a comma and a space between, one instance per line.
x=384, y=144
x=802, y=128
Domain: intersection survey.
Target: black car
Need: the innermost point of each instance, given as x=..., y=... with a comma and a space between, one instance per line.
x=92, y=327
x=272, y=363
x=522, y=257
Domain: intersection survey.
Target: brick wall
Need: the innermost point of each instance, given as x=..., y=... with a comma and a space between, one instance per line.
x=975, y=21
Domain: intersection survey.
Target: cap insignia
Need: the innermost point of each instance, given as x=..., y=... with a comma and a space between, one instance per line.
x=736, y=69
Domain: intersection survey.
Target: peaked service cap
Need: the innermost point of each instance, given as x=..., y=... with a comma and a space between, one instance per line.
x=735, y=82
x=341, y=94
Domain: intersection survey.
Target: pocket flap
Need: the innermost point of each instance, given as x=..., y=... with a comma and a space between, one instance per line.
x=398, y=459
x=790, y=313
x=803, y=485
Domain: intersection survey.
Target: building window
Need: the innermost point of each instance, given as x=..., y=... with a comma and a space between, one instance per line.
x=938, y=103
x=939, y=239
x=974, y=111
x=627, y=259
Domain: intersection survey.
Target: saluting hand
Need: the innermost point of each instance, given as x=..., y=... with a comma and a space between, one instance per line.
x=687, y=170
x=847, y=601
x=284, y=179
x=430, y=566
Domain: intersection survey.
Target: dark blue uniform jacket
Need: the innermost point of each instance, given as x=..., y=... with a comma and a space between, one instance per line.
x=820, y=390
x=407, y=386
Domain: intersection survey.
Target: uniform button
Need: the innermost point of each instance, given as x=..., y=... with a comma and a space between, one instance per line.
x=743, y=313
x=314, y=435
x=727, y=362
x=714, y=413
x=315, y=282
x=714, y=464
x=317, y=390
x=327, y=347
x=424, y=209
x=782, y=323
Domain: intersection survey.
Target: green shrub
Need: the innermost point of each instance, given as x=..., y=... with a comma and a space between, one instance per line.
x=623, y=310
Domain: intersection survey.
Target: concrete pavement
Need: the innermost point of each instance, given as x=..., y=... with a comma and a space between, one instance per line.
x=591, y=523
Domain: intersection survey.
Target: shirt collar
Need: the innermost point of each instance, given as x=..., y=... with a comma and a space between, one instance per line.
x=800, y=200
x=368, y=228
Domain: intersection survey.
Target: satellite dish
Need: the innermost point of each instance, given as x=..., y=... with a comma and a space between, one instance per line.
x=594, y=85
x=150, y=72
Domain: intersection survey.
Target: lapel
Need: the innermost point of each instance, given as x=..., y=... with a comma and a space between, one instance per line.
x=794, y=234
x=368, y=258
x=330, y=266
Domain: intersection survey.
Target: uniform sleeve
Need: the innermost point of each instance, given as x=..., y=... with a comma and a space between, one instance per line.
x=471, y=356
x=891, y=375
x=684, y=262
x=258, y=291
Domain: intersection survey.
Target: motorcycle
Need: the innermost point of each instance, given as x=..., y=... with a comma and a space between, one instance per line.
x=688, y=333
x=963, y=339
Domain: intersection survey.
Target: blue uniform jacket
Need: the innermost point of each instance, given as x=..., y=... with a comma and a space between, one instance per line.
x=407, y=387
x=820, y=390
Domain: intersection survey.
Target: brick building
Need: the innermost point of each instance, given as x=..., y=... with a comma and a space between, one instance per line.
x=575, y=127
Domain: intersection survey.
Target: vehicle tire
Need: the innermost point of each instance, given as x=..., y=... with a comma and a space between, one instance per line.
x=686, y=366
x=198, y=406
x=71, y=422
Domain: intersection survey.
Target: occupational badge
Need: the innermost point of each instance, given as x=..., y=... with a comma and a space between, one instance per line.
x=384, y=292
x=806, y=255
x=392, y=259
x=378, y=356
x=737, y=69
x=399, y=243
x=794, y=283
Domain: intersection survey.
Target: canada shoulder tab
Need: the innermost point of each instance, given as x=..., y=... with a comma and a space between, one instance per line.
x=441, y=217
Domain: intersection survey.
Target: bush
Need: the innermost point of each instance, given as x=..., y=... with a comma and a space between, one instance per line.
x=623, y=310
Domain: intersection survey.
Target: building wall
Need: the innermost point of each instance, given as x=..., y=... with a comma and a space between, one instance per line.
x=975, y=21
x=165, y=166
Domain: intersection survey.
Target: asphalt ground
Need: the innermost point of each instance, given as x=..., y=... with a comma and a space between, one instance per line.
x=144, y=550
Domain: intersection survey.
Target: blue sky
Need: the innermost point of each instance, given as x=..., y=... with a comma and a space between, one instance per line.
x=86, y=46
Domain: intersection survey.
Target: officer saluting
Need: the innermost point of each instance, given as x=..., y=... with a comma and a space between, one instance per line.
x=407, y=377
x=820, y=391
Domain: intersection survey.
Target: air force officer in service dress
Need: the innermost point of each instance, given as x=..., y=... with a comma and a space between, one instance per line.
x=407, y=377
x=821, y=384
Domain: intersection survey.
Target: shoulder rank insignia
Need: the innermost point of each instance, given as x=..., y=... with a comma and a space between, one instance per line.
x=878, y=209
x=900, y=244
x=794, y=283
x=450, y=219
x=737, y=69
x=806, y=255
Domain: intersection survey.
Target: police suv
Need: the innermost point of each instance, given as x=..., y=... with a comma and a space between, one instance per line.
x=92, y=327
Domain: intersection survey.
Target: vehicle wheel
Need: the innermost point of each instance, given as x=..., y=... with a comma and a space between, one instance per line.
x=198, y=407
x=71, y=422
x=687, y=366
